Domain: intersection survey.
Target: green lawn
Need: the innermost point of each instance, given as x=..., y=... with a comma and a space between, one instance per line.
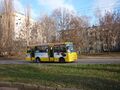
x=87, y=77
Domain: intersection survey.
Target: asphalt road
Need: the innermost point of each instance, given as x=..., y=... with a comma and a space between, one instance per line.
x=99, y=61
x=81, y=61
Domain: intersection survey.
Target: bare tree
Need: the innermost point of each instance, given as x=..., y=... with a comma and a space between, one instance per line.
x=110, y=24
x=35, y=35
x=70, y=26
x=62, y=17
x=7, y=26
x=27, y=24
x=48, y=28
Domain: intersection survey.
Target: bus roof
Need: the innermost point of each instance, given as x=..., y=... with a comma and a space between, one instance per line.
x=50, y=44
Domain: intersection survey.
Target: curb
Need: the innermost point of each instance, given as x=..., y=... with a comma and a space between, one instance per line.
x=22, y=86
x=93, y=57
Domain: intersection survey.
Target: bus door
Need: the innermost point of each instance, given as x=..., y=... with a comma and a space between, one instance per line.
x=32, y=54
x=51, y=54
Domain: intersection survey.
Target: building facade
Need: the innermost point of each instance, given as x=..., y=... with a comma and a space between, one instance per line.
x=26, y=31
x=20, y=28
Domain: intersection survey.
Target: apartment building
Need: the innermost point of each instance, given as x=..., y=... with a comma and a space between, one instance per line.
x=31, y=34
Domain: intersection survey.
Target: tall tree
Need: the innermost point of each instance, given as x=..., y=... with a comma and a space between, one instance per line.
x=62, y=17
x=110, y=24
x=27, y=24
x=70, y=26
x=48, y=28
x=7, y=26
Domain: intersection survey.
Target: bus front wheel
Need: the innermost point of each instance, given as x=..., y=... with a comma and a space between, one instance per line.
x=37, y=60
x=61, y=60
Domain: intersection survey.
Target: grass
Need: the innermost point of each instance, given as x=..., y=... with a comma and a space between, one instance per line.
x=87, y=77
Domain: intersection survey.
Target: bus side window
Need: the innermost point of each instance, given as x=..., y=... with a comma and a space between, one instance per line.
x=43, y=49
x=28, y=51
x=62, y=48
x=56, y=49
x=46, y=49
x=37, y=51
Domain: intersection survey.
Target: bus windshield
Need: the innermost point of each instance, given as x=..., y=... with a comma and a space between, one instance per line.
x=70, y=48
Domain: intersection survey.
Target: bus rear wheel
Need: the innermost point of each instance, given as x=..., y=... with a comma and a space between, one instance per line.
x=61, y=60
x=37, y=60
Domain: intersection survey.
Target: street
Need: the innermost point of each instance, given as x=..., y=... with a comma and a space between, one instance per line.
x=99, y=61
x=80, y=61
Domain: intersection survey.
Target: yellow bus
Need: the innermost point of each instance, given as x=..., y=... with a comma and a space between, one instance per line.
x=52, y=52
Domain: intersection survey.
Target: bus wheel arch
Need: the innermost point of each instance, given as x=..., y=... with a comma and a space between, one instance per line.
x=37, y=60
x=62, y=60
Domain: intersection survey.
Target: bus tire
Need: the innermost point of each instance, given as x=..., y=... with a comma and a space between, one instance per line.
x=61, y=60
x=37, y=60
